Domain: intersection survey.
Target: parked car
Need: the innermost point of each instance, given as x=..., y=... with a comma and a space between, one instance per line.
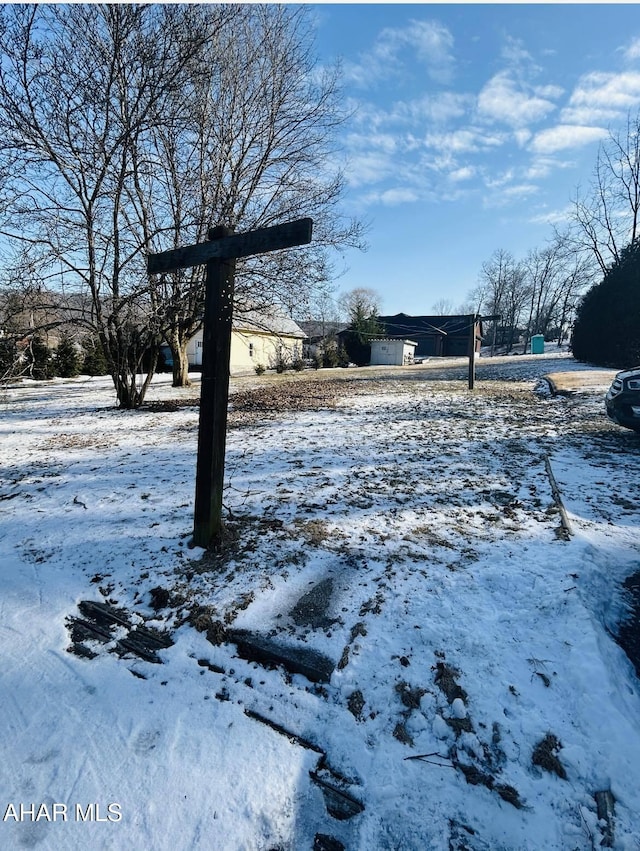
x=623, y=399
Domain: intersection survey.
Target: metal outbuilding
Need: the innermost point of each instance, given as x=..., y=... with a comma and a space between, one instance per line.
x=392, y=352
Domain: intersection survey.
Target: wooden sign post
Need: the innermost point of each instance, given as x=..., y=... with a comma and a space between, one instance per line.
x=219, y=254
x=472, y=351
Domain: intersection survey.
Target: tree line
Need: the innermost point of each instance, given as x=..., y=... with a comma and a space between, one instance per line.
x=584, y=285
x=131, y=129
x=537, y=295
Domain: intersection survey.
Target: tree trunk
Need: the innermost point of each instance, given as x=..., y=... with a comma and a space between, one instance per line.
x=128, y=395
x=178, y=346
x=132, y=385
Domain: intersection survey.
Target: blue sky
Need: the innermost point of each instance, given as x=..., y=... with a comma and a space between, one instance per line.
x=473, y=127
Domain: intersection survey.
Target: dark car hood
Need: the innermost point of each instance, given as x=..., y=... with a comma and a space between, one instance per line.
x=627, y=373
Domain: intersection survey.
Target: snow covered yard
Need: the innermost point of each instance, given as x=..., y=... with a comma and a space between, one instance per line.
x=393, y=526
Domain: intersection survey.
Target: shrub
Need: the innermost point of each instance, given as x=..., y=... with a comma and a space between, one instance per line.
x=281, y=361
x=41, y=365
x=330, y=357
x=9, y=359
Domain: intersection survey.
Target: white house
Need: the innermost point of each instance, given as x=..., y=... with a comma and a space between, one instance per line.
x=259, y=338
x=392, y=352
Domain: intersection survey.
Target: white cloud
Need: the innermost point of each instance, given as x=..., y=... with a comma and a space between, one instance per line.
x=498, y=181
x=549, y=91
x=384, y=142
x=509, y=194
x=601, y=97
x=522, y=137
x=429, y=41
x=553, y=217
x=542, y=166
x=520, y=190
x=368, y=167
x=565, y=136
x=464, y=173
x=514, y=52
x=391, y=197
x=539, y=169
x=632, y=52
x=435, y=108
x=505, y=100
x=463, y=141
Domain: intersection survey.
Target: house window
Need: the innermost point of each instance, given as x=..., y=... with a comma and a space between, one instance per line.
x=199, y=344
x=251, y=350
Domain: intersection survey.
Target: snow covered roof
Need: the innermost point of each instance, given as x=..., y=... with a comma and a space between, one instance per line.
x=268, y=320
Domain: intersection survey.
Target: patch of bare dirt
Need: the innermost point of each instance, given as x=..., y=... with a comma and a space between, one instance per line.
x=245, y=406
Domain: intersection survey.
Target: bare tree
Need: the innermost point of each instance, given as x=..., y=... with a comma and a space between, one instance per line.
x=446, y=307
x=543, y=284
x=157, y=122
x=80, y=86
x=555, y=277
x=501, y=292
x=578, y=275
x=29, y=315
x=360, y=303
x=321, y=308
x=606, y=217
x=443, y=307
x=255, y=146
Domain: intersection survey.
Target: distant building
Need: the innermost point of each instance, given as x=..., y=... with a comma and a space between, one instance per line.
x=259, y=338
x=320, y=335
x=392, y=352
x=435, y=336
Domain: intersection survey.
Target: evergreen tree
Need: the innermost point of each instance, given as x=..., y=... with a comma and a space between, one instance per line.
x=94, y=362
x=67, y=360
x=607, y=327
x=362, y=305
x=357, y=346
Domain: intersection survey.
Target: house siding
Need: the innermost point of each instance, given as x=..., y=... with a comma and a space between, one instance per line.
x=250, y=349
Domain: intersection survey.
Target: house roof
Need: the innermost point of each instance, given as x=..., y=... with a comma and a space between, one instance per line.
x=320, y=329
x=402, y=325
x=393, y=340
x=267, y=320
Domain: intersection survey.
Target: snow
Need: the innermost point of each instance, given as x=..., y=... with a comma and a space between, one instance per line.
x=463, y=628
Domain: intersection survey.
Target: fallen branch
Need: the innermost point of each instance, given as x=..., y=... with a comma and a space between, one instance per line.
x=426, y=757
x=555, y=490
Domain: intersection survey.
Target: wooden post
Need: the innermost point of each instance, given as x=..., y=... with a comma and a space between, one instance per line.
x=472, y=353
x=214, y=393
x=219, y=254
